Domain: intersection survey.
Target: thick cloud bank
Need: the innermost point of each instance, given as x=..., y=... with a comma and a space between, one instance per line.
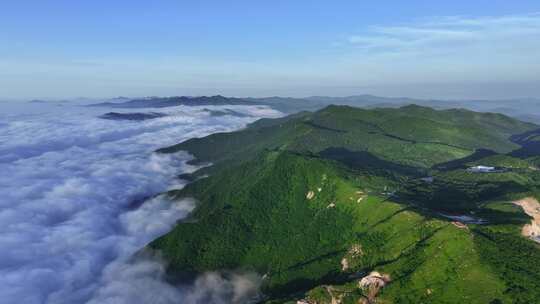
x=79, y=198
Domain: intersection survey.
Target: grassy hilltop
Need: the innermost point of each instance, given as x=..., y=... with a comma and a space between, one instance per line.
x=314, y=202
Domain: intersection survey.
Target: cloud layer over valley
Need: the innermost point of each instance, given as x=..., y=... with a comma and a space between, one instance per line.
x=71, y=206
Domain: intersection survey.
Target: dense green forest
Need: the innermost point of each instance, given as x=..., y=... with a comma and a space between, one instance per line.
x=320, y=203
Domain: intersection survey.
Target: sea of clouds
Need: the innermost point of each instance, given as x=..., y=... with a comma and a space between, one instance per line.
x=80, y=195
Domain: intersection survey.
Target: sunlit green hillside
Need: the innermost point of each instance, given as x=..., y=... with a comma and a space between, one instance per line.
x=315, y=202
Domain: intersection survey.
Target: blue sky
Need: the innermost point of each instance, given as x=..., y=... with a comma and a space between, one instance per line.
x=447, y=49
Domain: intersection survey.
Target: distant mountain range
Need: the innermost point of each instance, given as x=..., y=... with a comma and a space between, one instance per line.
x=131, y=116
x=163, y=102
x=523, y=109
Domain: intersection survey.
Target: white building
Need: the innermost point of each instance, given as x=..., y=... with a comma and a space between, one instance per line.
x=428, y=179
x=481, y=169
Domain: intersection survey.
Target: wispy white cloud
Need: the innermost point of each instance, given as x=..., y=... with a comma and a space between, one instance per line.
x=453, y=53
x=453, y=33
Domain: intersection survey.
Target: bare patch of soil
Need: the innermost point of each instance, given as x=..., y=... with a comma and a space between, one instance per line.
x=531, y=206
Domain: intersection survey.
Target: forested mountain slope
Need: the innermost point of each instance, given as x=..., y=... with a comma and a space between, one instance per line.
x=350, y=205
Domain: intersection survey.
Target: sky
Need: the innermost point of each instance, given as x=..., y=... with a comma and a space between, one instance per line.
x=428, y=49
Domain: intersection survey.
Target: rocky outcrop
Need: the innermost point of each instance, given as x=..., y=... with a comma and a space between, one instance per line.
x=373, y=283
x=354, y=252
x=531, y=206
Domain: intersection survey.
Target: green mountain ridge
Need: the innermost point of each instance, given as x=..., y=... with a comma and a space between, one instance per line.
x=382, y=132
x=315, y=202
